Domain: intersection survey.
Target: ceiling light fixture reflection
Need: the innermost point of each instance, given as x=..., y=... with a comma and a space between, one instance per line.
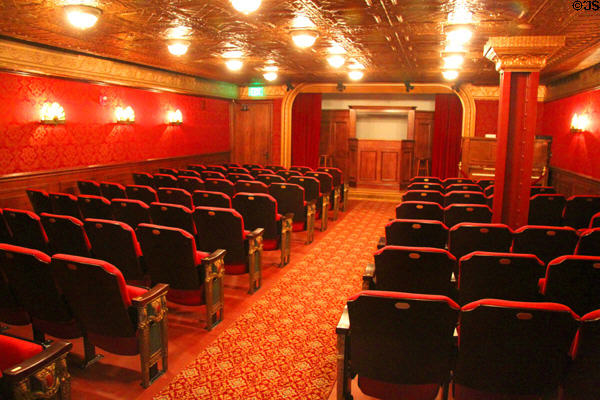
x=336, y=60
x=246, y=6
x=453, y=61
x=355, y=75
x=270, y=76
x=450, y=75
x=270, y=71
x=178, y=47
x=234, y=64
x=82, y=16
x=304, y=32
x=459, y=35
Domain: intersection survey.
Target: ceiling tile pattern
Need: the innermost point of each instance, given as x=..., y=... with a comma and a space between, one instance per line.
x=396, y=40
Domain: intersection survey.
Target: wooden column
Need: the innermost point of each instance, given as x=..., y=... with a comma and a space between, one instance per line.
x=519, y=60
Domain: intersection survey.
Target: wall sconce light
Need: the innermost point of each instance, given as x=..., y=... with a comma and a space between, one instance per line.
x=579, y=123
x=174, y=117
x=52, y=113
x=125, y=115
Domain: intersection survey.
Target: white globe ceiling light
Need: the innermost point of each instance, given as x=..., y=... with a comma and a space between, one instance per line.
x=453, y=61
x=458, y=35
x=270, y=72
x=450, y=75
x=234, y=64
x=270, y=76
x=355, y=75
x=178, y=47
x=336, y=60
x=82, y=16
x=304, y=32
x=246, y=6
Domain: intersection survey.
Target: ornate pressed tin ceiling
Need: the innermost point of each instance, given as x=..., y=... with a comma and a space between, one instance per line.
x=396, y=40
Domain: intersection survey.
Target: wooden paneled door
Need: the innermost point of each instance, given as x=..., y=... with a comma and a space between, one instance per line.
x=423, y=137
x=252, y=131
x=335, y=132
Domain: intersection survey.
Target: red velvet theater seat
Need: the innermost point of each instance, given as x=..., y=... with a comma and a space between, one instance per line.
x=312, y=192
x=507, y=276
x=234, y=177
x=94, y=207
x=89, y=187
x=222, y=228
x=118, y=318
x=30, y=370
x=231, y=165
x=546, y=242
x=188, y=172
x=5, y=234
x=26, y=228
x=419, y=210
x=171, y=195
x=541, y=190
x=11, y=310
x=217, y=168
x=64, y=204
x=589, y=243
x=467, y=237
x=399, y=344
x=463, y=187
x=261, y=171
x=290, y=200
x=415, y=232
x=485, y=183
x=454, y=181
x=33, y=285
x=267, y=179
x=197, y=167
x=66, y=235
x=143, y=179
x=327, y=190
x=411, y=269
x=546, y=209
x=237, y=170
x=250, y=167
x=190, y=183
x=595, y=221
x=146, y=194
x=164, y=180
x=457, y=213
x=260, y=211
x=40, y=201
x=579, y=210
x=112, y=190
x=573, y=281
x=173, y=215
x=582, y=379
x=287, y=174
x=212, y=175
x=243, y=186
x=433, y=196
x=457, y=197
x=204, y=198
x=426, y=179
x=131, y=212
x=512, y=350
x=338, y=194
x=302, y=169
x=169, y=171
x=194, y=278
x=275, y=168
x=220, y=185
x=116, y=243
x=425, y=186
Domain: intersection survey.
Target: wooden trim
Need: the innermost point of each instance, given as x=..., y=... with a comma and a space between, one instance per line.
x=13, y=186
x=383, y=108
x=571, y=183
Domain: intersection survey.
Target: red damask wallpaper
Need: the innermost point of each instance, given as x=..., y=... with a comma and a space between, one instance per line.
x=486, y=117
x=577, y=152
x=90, y=135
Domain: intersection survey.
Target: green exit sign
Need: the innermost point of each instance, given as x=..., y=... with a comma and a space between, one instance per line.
x=256, y=91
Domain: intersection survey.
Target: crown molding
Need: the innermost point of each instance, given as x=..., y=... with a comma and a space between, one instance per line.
x=41, y=61
x=521, y=53
x=270, y=92
x=583, y=81
x=493, y=92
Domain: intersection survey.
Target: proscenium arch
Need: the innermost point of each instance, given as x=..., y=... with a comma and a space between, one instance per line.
x=464, y=94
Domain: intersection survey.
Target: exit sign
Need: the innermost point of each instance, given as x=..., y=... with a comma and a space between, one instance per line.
x=256, y=91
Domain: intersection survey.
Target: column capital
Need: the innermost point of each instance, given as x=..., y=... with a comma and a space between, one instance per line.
x=521, y=53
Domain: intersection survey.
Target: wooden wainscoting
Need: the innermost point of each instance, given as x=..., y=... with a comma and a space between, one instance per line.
x=12, y=187
x=378, y=163
x=571, y=183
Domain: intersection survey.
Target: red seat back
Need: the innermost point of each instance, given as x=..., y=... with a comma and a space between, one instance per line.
x=546, y=242
x=312, y=186
x=112, y=190
x=546, y=209
x=146, y=194
x=458, y=197
x=172, y=195
x=419, y=210
x=425, y=186
x=94, y=207
x=221, y=228
x=220, y=185
x=583, y=376
x=579, y=210
x=190, y=183
x=66, y=235
x=457, y=213
x=433, y=196
x=40, y=201
x=131, y=212
x=204, y=198
x=143, y=179
x=251, y=187
x=589, y=243
x=89, y=187
x=467, y=237
x=64, y=204
x=416, y=232
x=290, y=199
x=267, y=179
x=26, y=229
x=426, y=179
x=173, y=215
x=259, y=211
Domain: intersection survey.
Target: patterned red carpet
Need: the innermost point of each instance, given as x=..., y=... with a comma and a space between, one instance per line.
x=283, y=347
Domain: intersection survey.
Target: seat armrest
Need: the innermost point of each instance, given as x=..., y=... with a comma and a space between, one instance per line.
x=343, y=326
x=255, y=233
x=314, y=202
x=381, y=243
x=289, y=216
x=369, y=277
x=157, y=291
x=215, y=255
x=31, y=365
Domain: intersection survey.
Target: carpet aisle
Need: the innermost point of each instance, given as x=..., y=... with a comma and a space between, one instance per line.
x=283, y=347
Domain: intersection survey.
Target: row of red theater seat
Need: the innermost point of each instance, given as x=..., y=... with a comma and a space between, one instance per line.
x=69, y=297
x=546, y=207
x=546, y=242
x=573, y=280
x=409, y=346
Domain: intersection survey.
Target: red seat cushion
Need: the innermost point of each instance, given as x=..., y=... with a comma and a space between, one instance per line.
x=186, y=297
x=236, y=269
x=270, y=244
x=15, y=351
x=199, y=255
x=135, y=291
x=297, y=226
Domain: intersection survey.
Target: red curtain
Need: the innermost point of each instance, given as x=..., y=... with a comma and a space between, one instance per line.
x=306, y=129
x=447, y=136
